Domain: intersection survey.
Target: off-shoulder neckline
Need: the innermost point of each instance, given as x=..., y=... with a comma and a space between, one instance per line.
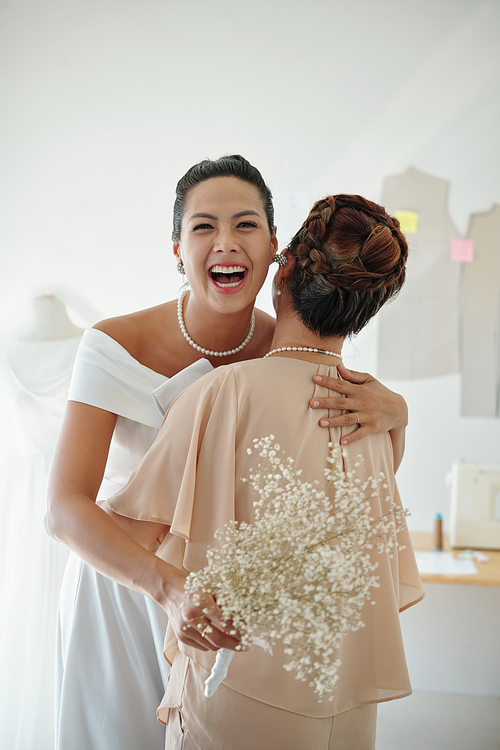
x=136, y=361
x=123, y=349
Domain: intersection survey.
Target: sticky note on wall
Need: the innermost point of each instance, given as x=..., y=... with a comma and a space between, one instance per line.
x=462, y=251
x=408, y=221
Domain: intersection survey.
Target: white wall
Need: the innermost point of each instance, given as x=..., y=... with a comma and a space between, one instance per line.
x=108, y=102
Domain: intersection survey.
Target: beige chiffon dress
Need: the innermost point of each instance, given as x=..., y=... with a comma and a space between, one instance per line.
x=191, y=480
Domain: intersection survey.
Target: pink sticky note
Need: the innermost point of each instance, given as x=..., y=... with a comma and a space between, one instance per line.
x=462, y=251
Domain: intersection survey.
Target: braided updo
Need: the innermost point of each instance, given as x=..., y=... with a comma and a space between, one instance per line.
x=350, y=258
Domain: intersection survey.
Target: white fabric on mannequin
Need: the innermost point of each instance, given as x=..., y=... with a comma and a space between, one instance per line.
x=111, y=671
x=35, y=373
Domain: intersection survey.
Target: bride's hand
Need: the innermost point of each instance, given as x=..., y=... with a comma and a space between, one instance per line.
x=197, y=620
x=369, y=404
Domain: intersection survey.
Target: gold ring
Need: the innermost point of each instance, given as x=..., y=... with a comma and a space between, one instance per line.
x=357, y=417
x=207, y=627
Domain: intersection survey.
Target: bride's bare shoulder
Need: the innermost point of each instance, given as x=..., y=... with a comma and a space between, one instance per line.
x=134, y=330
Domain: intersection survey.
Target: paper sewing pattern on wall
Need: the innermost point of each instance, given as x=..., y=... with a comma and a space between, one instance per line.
x=480, y=318
x=418, y=331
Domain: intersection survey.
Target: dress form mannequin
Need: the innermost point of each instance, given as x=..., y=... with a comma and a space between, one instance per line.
x=46, y=320
x=36, y=361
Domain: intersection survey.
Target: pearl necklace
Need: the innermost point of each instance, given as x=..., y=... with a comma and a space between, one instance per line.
x=302, y=349
x=200, y=349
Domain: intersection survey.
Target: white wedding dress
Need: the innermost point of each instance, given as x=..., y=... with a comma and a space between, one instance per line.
x=34, y=382
x=111, y=671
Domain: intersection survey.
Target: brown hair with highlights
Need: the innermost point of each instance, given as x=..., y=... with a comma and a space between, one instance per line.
x=350, y=259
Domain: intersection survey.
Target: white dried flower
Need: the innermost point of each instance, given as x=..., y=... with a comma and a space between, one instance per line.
x=309, y=551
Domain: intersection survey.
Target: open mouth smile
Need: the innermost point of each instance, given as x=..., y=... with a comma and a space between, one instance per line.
x=227, y=277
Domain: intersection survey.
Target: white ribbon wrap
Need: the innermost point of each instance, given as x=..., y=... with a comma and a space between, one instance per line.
x=222, y=662
x=219, y=671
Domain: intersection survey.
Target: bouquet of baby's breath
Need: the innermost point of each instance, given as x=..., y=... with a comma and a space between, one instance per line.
x=301, y=572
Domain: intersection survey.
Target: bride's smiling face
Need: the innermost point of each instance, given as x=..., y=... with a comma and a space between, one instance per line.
x=225, y=244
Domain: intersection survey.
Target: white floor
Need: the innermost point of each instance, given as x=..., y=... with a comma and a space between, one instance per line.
x=437, y=721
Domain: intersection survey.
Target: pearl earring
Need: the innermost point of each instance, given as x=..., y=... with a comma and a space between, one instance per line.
x=180, y=267
x=280, y=259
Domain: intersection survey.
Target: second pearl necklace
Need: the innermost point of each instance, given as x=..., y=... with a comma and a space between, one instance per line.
x=303, y=349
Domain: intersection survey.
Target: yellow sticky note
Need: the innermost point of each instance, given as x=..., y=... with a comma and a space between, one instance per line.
x=408, y=221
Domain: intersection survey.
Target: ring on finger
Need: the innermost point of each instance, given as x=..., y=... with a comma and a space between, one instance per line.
x=357, y=417
x=205, y=630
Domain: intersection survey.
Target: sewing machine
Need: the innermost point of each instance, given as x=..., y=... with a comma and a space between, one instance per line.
x=475, y=505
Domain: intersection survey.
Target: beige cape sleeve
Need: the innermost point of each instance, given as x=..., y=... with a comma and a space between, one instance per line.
x=197, y=439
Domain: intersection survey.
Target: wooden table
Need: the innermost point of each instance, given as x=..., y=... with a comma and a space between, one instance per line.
x=488, y=574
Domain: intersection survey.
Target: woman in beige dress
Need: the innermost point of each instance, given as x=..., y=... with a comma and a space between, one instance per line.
x=347, y=260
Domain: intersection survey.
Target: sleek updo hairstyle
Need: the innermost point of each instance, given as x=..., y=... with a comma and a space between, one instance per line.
x=350, y=258
x=227, y=166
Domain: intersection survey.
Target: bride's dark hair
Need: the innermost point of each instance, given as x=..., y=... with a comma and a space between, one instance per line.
x=226, y=166
x=350, y=258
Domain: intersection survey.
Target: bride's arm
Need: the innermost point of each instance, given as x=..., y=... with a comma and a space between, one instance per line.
x=379, y=409
x=188, y=616
x=74, y=518
x=112, y=544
